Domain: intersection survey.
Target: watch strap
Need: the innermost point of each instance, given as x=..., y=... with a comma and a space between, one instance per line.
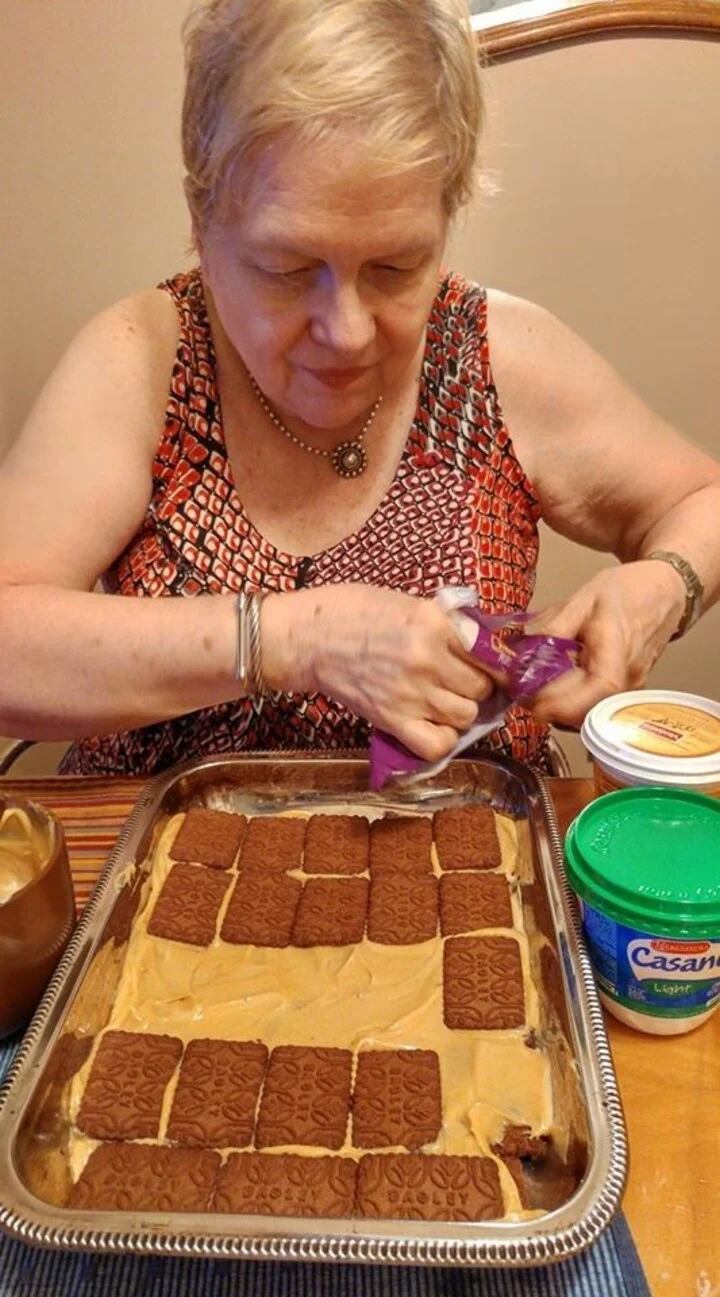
x=694, y=589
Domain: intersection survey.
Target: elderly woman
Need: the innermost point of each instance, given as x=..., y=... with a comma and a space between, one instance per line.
x=282, y=454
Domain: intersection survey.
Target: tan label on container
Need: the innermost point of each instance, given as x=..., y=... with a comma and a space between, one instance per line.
x=668, y=729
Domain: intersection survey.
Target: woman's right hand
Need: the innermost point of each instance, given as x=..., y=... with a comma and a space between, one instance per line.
x=390, y=657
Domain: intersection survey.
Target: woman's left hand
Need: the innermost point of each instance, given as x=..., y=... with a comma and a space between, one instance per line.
x=623, y=618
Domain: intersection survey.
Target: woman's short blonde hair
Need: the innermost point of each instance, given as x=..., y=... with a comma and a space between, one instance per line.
x=403, y=72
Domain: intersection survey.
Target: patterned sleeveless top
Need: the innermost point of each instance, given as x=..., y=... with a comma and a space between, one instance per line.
x=459, y=511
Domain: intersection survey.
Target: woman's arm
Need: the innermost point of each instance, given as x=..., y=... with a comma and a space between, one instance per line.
x=77, y=663
x=612, y=475
x=73, y=492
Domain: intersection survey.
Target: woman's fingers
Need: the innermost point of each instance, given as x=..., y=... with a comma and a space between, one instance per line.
x=465, y=676
x=565, y=702
x=393, y=659
x=427, y=740
x=603, y=671
x=557, y=619
x=447, y=708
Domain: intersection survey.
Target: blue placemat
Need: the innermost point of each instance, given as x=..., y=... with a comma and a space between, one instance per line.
x=610, y=1268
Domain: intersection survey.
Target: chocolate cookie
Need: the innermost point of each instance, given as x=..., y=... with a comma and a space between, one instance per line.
x=482, y=983
x=519, y=1141
x=396, y=1099
x=273, y=844
x=400, y=844
x=403, y=909
x=469, y=902
x=534, y=896
x=284, y=1184
x=188, y=905
x=146, y=1177
x=124, y=1092
x=336, y=844
x=552, y=986
x=331, y=912
x=425, y=1186
x=262, y=910
x=306, y=1097
x=466, y=838
x=217, y=1093
x=209, y=838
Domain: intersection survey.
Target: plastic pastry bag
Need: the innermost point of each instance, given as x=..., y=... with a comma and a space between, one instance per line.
x=526, y=662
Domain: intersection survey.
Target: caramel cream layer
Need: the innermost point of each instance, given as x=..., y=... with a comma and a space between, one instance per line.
x=357, y=997
x=24, y=851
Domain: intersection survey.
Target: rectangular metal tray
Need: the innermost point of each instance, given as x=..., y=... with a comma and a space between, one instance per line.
x=34, y=1101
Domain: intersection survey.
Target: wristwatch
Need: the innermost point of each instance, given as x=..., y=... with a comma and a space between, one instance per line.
x=693, y=588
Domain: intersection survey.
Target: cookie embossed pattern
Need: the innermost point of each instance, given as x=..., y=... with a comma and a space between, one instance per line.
x=345, y=1038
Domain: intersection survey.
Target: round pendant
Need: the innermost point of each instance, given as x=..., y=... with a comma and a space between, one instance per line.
x=349, y=459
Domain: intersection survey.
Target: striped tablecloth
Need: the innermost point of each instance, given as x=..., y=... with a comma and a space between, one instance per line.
x=92, y=812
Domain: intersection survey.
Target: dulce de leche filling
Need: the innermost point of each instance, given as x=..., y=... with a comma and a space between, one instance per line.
x=364, y=996
x=24, y=851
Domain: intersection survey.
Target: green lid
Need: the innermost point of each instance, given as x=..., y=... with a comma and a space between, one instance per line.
x=650, y=859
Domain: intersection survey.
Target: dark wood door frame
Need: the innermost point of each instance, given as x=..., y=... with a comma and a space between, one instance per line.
x=595, y=18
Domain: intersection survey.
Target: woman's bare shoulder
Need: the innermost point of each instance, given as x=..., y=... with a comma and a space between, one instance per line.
x=143, y=329
x=522, y=332
x=152, y=312
x=121, y=359
x=549, y=381
x=600, y=459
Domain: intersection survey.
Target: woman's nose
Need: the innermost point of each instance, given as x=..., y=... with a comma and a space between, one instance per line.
x=341, y=321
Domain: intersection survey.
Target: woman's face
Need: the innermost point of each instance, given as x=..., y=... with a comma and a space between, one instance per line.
x=324, y=281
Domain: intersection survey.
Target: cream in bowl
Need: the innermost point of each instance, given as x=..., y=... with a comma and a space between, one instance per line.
x=37, y=908
x=25, y=848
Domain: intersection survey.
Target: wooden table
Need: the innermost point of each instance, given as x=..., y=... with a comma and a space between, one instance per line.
x=670, y=1085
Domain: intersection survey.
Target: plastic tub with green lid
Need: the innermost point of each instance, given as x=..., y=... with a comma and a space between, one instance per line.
x=645, y=863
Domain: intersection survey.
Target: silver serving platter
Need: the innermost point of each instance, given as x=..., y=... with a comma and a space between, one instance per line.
x=33, y=1120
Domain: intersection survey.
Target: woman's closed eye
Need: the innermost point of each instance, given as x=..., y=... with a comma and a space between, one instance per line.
x=395, y=275
x=290, y=274
x=386, y=279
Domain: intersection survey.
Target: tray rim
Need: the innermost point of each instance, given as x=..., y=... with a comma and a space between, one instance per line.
x=506, y=1243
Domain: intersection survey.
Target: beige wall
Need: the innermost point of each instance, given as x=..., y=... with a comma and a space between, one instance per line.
x=606, y=153
x=92, y=207
x=608, y=214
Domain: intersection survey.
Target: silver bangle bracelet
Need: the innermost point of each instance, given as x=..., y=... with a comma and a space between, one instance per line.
x=242, y=652
x=256, y=671
x=248, y=660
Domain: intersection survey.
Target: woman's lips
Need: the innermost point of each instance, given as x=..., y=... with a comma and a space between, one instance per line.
x=338, y=377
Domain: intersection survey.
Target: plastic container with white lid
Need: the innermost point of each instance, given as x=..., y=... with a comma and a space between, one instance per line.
x=655, y=737
x=645, y=863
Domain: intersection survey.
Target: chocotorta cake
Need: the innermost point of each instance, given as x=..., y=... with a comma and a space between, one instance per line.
x=332, y=1016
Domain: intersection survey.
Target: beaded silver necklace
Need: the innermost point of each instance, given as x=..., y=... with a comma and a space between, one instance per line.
x=349, y=458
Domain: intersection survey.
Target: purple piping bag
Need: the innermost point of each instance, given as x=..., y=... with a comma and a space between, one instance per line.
x=526, y=663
